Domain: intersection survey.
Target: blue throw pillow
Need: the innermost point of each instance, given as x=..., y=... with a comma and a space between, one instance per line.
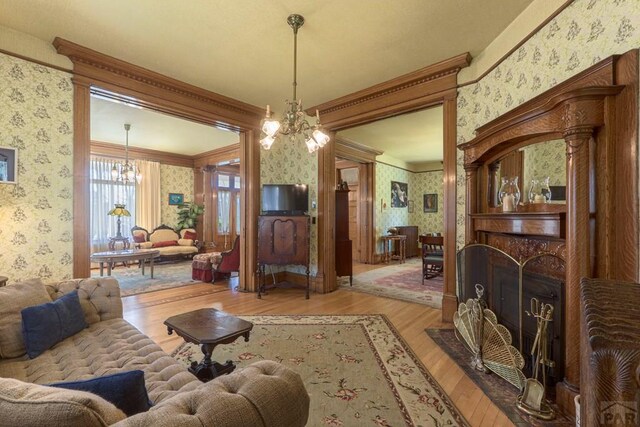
x=126, y=390
x=45, y=325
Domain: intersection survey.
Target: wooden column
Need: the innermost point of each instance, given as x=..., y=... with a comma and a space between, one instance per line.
x=250, y=202
x=81, y=197
x=449, y=298
x=578, y=261
x=326, y=280
x=471, y=205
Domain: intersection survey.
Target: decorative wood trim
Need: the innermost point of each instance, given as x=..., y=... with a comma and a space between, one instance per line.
x=99, y=72
x=81, y=195
x=525, y=223
x=409, y=92
x=450, y=163
x=517, y=46
x=429, y=86
x=325, y=230
x=117, y=151
x=348, y=149
x=100, y=67
x=218, y=155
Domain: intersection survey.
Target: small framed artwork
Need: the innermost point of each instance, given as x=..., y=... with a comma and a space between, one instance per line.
x=176, y=199
x=399, y=194
x=8, y=165
x=410, y=206
x=430, y=202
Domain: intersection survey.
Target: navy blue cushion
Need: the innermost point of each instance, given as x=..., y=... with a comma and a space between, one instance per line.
x=45, y=325
x=125, y=390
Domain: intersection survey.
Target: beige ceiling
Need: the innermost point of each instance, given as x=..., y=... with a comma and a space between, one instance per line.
x=411, y=138
x=153, y=130
x=243, y=49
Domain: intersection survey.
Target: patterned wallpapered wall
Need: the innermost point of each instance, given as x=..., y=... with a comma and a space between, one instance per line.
x=584, y=33
x=427, y=183
x=174, y=179
x=290, y=163
x=36, y=235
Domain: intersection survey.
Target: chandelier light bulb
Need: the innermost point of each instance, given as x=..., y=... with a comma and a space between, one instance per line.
x=267, y=142
x=312, y=146
x=320, y=137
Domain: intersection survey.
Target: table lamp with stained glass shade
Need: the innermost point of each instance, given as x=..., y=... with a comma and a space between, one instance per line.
x=119, y=211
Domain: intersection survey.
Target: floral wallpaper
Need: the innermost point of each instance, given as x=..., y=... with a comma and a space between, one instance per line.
x=36, y=118
x=174, y=179
x=427, y=183
x=290, y=163
x=586, y=32
x=386, y=217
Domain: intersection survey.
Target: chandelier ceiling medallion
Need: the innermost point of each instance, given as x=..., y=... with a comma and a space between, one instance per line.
x=125, y=172
x=294, y=124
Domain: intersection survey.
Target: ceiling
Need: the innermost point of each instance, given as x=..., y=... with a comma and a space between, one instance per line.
x=244, y=50
x=412, y=138
x=153, y=130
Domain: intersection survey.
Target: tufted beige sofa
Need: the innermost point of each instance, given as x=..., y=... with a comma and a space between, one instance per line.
x=263, y=394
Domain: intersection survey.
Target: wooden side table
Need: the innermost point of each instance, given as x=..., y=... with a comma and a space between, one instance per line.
x=114, y=240
x=402, y=249
x=209, y=327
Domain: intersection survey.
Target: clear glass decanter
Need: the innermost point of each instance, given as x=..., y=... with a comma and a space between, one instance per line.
x=509, y=194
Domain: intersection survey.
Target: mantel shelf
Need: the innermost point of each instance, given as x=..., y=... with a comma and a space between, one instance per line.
x=549, y=224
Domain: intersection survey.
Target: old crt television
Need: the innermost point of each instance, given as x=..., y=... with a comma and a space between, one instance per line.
x=285, y=199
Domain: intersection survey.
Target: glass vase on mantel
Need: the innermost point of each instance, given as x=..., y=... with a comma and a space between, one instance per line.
x=540, y=191
x=509, y=194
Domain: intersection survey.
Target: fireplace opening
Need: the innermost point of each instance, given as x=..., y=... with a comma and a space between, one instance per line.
x=509, y=287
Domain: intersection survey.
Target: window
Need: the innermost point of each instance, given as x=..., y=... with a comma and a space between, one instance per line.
x=105, y=193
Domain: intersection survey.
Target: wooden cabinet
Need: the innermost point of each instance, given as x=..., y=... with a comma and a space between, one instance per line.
x=344, y=254
x=282, y=240
x=411, y=231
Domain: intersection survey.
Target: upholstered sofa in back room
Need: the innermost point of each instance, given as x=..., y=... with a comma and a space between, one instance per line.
x=263, y=394
x=169, y=242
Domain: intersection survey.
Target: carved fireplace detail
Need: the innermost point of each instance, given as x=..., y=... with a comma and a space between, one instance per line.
x=595, y=228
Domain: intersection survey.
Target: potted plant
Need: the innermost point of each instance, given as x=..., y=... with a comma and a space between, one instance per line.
x=188, y=215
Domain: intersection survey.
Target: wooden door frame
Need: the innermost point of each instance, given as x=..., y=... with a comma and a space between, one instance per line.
x=366, y=157
x=145, y=88
x=427, y=87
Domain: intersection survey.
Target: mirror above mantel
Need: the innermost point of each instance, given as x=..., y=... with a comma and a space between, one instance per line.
x=539, y=169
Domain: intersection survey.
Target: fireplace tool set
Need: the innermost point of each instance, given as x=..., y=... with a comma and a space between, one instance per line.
x=532, y=400
x=490, y=345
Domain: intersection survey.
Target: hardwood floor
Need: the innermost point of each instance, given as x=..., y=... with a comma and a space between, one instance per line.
x=148, y=311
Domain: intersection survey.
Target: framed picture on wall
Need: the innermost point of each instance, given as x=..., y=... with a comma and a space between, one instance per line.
x=8, y=165
x=430, y=202
x=399, y=194
x=176, y=199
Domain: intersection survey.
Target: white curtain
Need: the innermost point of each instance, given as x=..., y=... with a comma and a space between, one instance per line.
x=105, y=193
x=148, y=196
x=224, y=211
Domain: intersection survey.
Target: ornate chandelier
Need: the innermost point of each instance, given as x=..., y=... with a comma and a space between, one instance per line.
x=125, y=172
x=294, y=123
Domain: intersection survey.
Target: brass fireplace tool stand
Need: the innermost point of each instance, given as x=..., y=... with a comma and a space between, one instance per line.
x=532, y=400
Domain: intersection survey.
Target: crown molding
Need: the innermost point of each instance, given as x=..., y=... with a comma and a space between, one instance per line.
x=101, y=68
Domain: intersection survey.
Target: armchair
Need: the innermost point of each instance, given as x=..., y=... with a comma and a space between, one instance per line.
x=229, y=261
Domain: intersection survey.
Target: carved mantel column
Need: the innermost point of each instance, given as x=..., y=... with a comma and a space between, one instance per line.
x=578, y=139
x=471, y=206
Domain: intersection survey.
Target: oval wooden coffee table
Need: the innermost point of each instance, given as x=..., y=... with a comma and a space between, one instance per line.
x=209, y=327
x=111, y=257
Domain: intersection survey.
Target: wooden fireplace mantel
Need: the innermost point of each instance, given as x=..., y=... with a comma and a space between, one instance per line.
x=596, y=113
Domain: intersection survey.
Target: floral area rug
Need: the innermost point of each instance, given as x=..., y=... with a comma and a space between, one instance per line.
x=399, y=281
x=165, y=276
x=356, y=368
